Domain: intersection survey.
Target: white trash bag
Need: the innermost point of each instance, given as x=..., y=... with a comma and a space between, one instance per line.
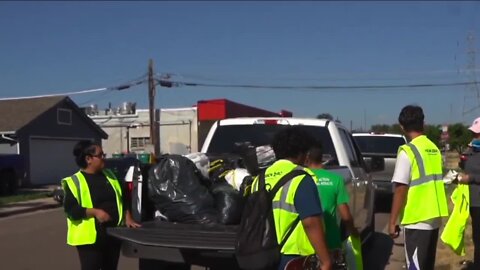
x=201, y=162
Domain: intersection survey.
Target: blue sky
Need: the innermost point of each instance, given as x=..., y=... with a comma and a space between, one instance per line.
x=54, y=47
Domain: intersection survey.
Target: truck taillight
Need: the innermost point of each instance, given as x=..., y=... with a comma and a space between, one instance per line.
x=129, y=187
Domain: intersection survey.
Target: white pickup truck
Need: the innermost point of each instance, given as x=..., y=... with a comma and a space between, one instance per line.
x=213, y=246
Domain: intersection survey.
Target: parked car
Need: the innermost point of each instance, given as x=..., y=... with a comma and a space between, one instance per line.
x=463, y=157
x=214, y=245
x=12, y=173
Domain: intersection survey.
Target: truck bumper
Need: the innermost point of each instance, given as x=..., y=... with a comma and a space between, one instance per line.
x=209, y=258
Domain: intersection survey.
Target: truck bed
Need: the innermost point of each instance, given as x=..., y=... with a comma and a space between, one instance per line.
x=206, y=245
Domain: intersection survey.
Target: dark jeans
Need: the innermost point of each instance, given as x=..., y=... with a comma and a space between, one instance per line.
x=102, y=255
x=475, y=215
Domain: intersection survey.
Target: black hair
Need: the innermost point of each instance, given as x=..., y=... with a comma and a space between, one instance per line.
x=291, y=142
x=315, y=154
x=411, y=118
x=83, y=149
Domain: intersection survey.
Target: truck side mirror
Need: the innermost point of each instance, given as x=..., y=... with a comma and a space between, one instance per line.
x=375, y=164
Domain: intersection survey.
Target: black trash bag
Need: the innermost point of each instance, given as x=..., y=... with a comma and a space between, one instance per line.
x=176, y=189
x=228, y=202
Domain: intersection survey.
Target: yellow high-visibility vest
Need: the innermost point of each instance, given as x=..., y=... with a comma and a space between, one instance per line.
x=284, y=211
x=83, y=232
x=454, y=231
x=426, y=197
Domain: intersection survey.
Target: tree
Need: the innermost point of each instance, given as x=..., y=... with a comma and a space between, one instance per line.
x=460, y=136
x=380, y=128
x=433, y=132
x=325, y=116
x=396, y=128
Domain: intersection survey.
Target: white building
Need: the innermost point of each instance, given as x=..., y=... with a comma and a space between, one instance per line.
x=128, y=129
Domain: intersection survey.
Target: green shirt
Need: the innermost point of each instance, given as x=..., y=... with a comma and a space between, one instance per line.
x=332, y=191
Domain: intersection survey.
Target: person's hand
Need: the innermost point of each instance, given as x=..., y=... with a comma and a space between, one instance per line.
x=393, y=231
x=463, y=178
x=102, y=216
x=130, y=222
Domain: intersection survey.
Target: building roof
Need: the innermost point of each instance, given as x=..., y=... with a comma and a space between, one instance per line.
x=17, y=113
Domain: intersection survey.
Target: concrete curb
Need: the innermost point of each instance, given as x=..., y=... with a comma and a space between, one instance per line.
x=23, y=210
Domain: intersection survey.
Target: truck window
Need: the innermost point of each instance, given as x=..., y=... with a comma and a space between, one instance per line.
x=386, y=145
x=352, y=157
x=226, y=137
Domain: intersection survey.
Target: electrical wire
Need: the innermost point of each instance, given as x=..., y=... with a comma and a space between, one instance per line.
x=170, y=83
x=121, y=87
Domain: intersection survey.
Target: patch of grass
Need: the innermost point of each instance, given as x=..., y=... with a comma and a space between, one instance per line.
x=22, y=197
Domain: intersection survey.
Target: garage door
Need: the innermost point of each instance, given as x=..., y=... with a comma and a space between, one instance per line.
x=51, y=160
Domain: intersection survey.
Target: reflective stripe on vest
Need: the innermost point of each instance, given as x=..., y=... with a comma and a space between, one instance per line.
x=424, y=178
x=284, y=211
x=83, y=232
x=426, y=198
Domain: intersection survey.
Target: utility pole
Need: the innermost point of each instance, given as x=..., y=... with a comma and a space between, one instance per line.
x=151, y=101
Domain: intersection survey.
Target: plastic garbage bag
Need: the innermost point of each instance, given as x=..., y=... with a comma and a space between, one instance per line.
x=353, y=253
x=235, y=177
x=265, y=156
x=453, y=234
x=175, y=186
x=450, y=177
x=228, y=202
x=201, y=161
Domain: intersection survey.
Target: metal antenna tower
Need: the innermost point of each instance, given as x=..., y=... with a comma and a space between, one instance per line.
x=472, y=91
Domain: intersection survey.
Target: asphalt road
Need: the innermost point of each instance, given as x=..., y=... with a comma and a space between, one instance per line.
x=37, y=241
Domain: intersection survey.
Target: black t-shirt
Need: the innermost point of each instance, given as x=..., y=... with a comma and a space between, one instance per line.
x=103, y=197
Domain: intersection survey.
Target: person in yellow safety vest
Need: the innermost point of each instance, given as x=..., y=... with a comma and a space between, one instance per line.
x=93, y=202
x=471, y=176
x=297, y=200
x=419, y=193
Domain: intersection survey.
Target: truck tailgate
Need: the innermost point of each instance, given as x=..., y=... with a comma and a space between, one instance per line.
x=182, y=236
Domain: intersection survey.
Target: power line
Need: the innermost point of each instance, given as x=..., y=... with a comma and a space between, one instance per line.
x=87, y=91
x=171, y=83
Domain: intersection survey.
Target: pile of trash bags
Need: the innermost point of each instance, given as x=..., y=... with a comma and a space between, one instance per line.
x=205, y=190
